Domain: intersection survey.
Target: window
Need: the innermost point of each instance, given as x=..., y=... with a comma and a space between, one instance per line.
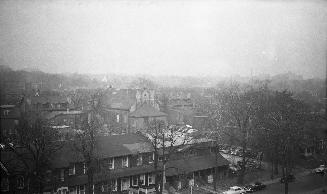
x=71, y=169
x=125, y=161
x=151, y=158
x=151, y=179
x=125, y=118
x=6, y=112
x=20, y=182
x=142, y=179
x=135, y=180
x=72, y=190
x=48, y=176
x=114, y=185
x=62, y=190
x=104, y=187
x=82, y=189
x=84, y=168
x=139, y=160
x=111, y=163
x=117, y=118
x=124, y=184
x=4, y=184
x=62, y=175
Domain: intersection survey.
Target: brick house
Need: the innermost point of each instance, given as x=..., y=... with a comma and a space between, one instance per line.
x=128, y=110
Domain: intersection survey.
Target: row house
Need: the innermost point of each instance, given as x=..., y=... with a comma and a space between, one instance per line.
x=125, y=164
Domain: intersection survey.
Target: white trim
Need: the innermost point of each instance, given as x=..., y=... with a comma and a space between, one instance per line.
x=128, y=184
x=139, y=160
x=122, y=162
x=80, y=190
x=152, y=158
x=73, y=173
x=117, y=118
x=152, y=178
x=115, y=186
x=143, y=178
x=112, y=163
x=84, y=168
x=137, y=180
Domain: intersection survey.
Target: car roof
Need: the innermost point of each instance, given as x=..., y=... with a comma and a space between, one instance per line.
x=235, y=187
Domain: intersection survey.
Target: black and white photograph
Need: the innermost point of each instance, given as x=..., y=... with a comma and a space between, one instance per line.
x=163, y=96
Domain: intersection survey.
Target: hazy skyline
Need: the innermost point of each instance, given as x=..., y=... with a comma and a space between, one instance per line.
x=173, y=37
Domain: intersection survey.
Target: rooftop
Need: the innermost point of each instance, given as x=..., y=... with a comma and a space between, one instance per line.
x=146, y=110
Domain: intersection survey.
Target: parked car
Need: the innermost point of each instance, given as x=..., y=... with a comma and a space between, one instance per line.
x=290, y=178
x=235, y=190
x=321, y=169
x=257, y=186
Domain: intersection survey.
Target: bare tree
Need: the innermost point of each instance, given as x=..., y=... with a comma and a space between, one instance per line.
x=33, y=147
x=284, y=123
x=85, y=141
x=166, y=140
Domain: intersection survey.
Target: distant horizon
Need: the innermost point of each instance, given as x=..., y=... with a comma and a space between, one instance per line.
x=158, y=37
x=169, y=75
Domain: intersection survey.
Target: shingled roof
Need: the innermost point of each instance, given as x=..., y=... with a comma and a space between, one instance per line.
x=146, y=110
x=107, y=146
x=191, y=164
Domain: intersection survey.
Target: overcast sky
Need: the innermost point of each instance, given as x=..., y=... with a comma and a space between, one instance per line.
x=174, y=37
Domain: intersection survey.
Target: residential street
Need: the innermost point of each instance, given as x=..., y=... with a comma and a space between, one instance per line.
x=305, y=184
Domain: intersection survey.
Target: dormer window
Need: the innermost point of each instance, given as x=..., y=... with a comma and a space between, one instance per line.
x=151, y=158
x=139, y=160
x=71, y=169
x=125, y=161
x=111, y=163
x=84, y=168
x=117, y=118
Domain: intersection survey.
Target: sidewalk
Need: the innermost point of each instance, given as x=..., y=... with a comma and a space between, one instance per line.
x=267, y=182
x=298, y=175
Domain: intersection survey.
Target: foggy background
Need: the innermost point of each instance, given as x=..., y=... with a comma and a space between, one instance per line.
x=180, y=37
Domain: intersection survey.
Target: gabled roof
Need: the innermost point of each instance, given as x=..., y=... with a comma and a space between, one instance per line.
x=146, y=110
